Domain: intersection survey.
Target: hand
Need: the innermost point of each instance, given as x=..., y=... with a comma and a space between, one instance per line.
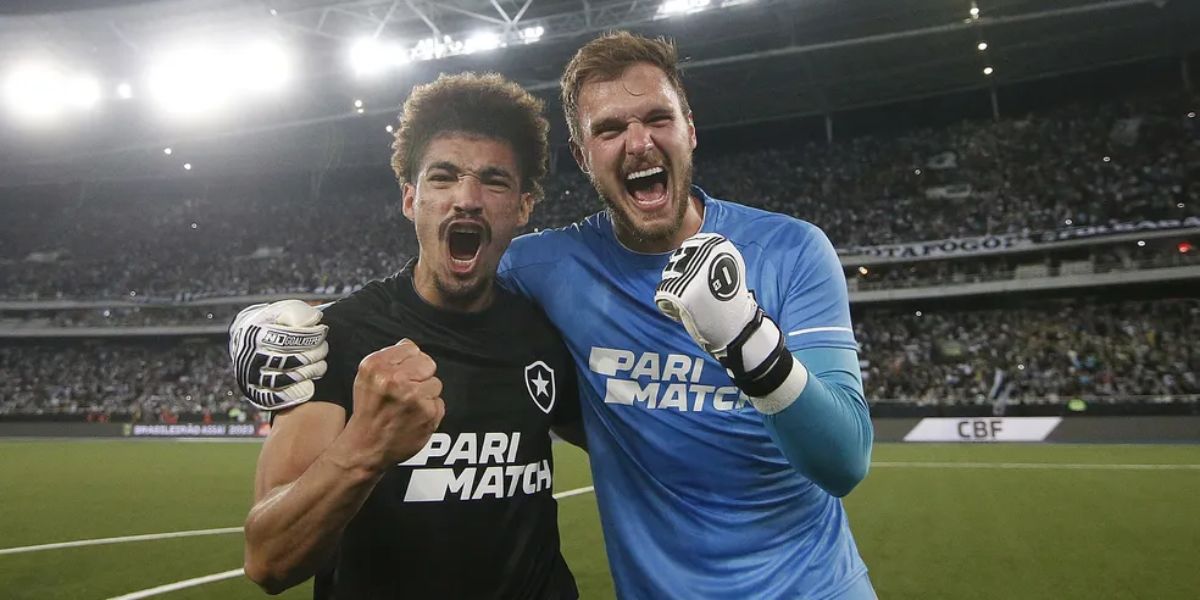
x=704, y=287
x=277, y=351
x=397, y=403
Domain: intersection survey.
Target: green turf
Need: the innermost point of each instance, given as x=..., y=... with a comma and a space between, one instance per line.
x=924, y=532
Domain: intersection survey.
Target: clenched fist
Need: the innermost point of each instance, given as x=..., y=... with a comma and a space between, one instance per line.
x=397, y=403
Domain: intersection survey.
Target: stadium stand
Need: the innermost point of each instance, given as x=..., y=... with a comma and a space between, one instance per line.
x=161, y=257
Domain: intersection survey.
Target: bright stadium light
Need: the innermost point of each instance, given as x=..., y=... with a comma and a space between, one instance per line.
x=358, y=104
x=124, y=91
x=369, y=57
x=263, y=66
x=187, y=166
x=167, y=151
x=988, y=70
x=389, y=129
x=679, y=7
x=35, y=92
x=974, y=12
x=530, y=35
x=190, y=81
x=481, y=41
x=982, y=46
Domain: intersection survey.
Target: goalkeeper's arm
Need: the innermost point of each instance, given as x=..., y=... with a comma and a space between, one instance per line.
x=812, y=401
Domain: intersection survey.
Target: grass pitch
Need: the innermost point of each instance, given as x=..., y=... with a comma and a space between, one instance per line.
x=931, y=521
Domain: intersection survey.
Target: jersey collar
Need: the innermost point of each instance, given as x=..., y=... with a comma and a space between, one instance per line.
x=707, y=221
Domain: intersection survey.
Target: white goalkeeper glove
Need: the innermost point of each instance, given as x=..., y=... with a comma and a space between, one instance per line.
x=278, y=350
x=704, y=287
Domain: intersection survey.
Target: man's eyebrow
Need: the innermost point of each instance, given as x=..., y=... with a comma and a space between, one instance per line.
x=443, y=165
x=495, y=171
x=606, y=123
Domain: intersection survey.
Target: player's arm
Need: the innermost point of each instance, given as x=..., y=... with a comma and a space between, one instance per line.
x=812, y=401
x=317, y=468
x=307, y=488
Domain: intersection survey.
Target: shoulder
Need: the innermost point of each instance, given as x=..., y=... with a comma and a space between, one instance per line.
x=525, y=317
x=750, y=226
x=549, y=246
x=363, y=305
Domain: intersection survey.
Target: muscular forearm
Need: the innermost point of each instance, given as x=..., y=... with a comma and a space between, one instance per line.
x=294, y=528
x=826, y=433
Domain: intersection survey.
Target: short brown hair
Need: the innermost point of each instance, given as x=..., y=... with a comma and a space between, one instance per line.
x=606, y=58
x=486, y=105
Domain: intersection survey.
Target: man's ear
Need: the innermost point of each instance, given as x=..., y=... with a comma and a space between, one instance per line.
x=525, y=210
x=408, y=204
x=580, y=160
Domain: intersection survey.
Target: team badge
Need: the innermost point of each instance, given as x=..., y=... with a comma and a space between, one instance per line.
x=539, y=382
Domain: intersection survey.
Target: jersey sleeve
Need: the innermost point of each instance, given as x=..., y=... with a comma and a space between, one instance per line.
x=816, y=306
x=337, y=386
x=566, y=409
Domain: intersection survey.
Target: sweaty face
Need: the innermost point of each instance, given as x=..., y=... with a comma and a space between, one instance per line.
x=466, y=204
x=636, y=146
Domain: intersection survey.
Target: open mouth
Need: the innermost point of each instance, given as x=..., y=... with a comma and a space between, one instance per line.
x=648, y=187
x=464, y=240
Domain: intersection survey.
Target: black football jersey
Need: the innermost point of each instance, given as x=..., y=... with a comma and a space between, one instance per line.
x=472, y=515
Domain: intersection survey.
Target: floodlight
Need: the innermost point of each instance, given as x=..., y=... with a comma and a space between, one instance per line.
x=369, y=56
x=124, y=91
x=530, y=35
x=982, y=46
x=481, y=42
x=35, y=91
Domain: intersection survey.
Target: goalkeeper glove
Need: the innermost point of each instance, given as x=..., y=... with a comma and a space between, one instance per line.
x=277, y=351
x=704, y=287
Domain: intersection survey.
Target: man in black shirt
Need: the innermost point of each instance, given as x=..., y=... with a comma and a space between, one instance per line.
x=421, y=467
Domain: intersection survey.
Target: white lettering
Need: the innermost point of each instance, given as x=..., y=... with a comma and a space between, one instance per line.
x=647, y=366
x=493, y=447
x=607, y=361
x=437, y=446
x=464, y=450
x=675, y=397
x=491, y=483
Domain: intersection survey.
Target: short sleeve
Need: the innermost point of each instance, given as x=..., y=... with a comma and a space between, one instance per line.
x=566, y=408
x=337, y=386
x=816, y=304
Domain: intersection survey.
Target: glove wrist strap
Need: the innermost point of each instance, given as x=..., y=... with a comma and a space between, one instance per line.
x=765, y=376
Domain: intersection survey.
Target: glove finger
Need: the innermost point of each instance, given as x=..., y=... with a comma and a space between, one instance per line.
x=292, y=313
x=275, y=379
x=287, y=362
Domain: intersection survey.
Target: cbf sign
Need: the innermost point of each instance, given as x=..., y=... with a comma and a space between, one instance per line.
x=994, y=429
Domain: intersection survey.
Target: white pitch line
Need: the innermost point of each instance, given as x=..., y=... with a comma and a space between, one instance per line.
x=187, y=583
x=574, y=492
x=120, y=540
x=1036, y=466
x=179, y=585
x=180, y=534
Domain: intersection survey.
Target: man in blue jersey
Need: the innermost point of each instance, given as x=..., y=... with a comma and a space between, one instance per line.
x=720, y=386
x=719, y=448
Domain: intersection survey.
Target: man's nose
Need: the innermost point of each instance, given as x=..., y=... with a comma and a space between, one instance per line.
x=638, y=140
x=468, y=194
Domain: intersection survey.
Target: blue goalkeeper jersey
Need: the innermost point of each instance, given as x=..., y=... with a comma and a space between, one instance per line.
x=696, y=500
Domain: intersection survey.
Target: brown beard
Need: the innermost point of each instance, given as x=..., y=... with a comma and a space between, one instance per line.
x=625, y=226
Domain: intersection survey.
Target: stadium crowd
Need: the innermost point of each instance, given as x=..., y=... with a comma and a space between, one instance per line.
x=1075, y=166
x=1040, y=353
x=1045, y=352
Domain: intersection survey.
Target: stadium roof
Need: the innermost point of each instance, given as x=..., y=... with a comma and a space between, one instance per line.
x=746, y=61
